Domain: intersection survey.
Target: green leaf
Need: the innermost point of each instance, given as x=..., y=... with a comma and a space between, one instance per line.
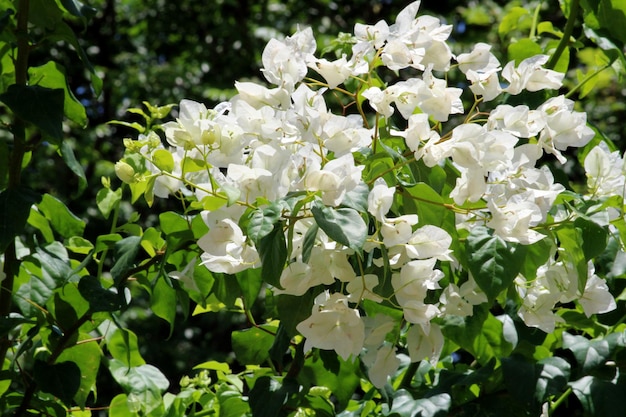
x=493, y=262
x=39, y=222
x=309, y=242
x=99, y=298
x=126, y=250
x=293, y=310
x=344, y=225
x=86, y=356
x=63, y=221
x=144, y=383
x=429, y=203
x=341, y=377
x=261, y=222
x=79, y=9
x=45, y=14
x=599, y=397
x=522, y=49
x=107, y=200
x=250, y=282
x=251, y=346
x=594, y=237
x=518, y=18
x=52, y=75
x=14, y=211
x=435, y=406
x=123, y=346
x=40, y=106
x=67, y=154
x=356, y=198
x=571, y=240
x=61, y=379
x=590, y=354
x=163, y=302
x=537, y=254
x=163, y=160
x=273, y=252
x=481, y=334
x=268, y=396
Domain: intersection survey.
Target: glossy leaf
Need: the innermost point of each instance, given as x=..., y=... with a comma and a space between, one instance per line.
x=599, y=397
x=343, y=225
x=144, y=383
x=273, y=252
x=67, y=154
x=123, y=346
x=268, y=396
x=494, y=263
x=405, y=405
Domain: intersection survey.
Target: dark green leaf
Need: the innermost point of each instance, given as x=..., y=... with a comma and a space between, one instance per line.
x=493, y=262
x=99, y=298
x=251, y=346
x=343, y=380
x=294, y=310
x=67, y=154
x=268, y=396
x=594, y=237
x=40, y=106
x=262, y=221
x=480, y=334
x=590, y=354
x=308, y=242
x=123, y=346
x=9, y=323
x=52, y=75
x=86, y=356
x=79, y=9
x=599, y=397
x=273, y=252
x=250, y=282
x=344, y=225
x=126, y=250
x=61, y=379
x=356, y=198
x=45, y=14
x=14, y=210
x=571, y=240
x=163, y=302
x=63, y=221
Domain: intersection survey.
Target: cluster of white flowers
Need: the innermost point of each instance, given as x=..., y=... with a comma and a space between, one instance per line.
x=268, y=143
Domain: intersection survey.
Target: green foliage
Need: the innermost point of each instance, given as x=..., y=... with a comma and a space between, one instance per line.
x=71, y=296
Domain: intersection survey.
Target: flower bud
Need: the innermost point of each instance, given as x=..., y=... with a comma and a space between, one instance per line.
x=125, y=172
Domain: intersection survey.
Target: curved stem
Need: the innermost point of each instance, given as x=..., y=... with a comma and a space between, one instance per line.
x=567, y=33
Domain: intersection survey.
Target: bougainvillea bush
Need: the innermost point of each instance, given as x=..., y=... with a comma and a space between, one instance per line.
x=399, y=244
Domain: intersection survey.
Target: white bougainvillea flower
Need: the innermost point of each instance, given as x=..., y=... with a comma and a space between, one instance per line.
x=334, y=72
x=376, y=35
x=596, y=299
x=335, y=179
x=226, y=249
x=605, y=172
x=564, y=126
x=380, y=199
x=415, y=279
x=381, y=363
x=258, y=95
x=429, y=242
x=333, y=325
x=479, y=60
x=380, y=100
x=342, y=135
x=530, y=75
x=417, y=312
x=296, y=279
x=537, y=309
x=398, y=230
x=519, y=120
x=424, y=344
x=362, y=288
x=485, y=85
x=437, y=99
x=513, y=221
x=453, y=303
x=285, y=62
